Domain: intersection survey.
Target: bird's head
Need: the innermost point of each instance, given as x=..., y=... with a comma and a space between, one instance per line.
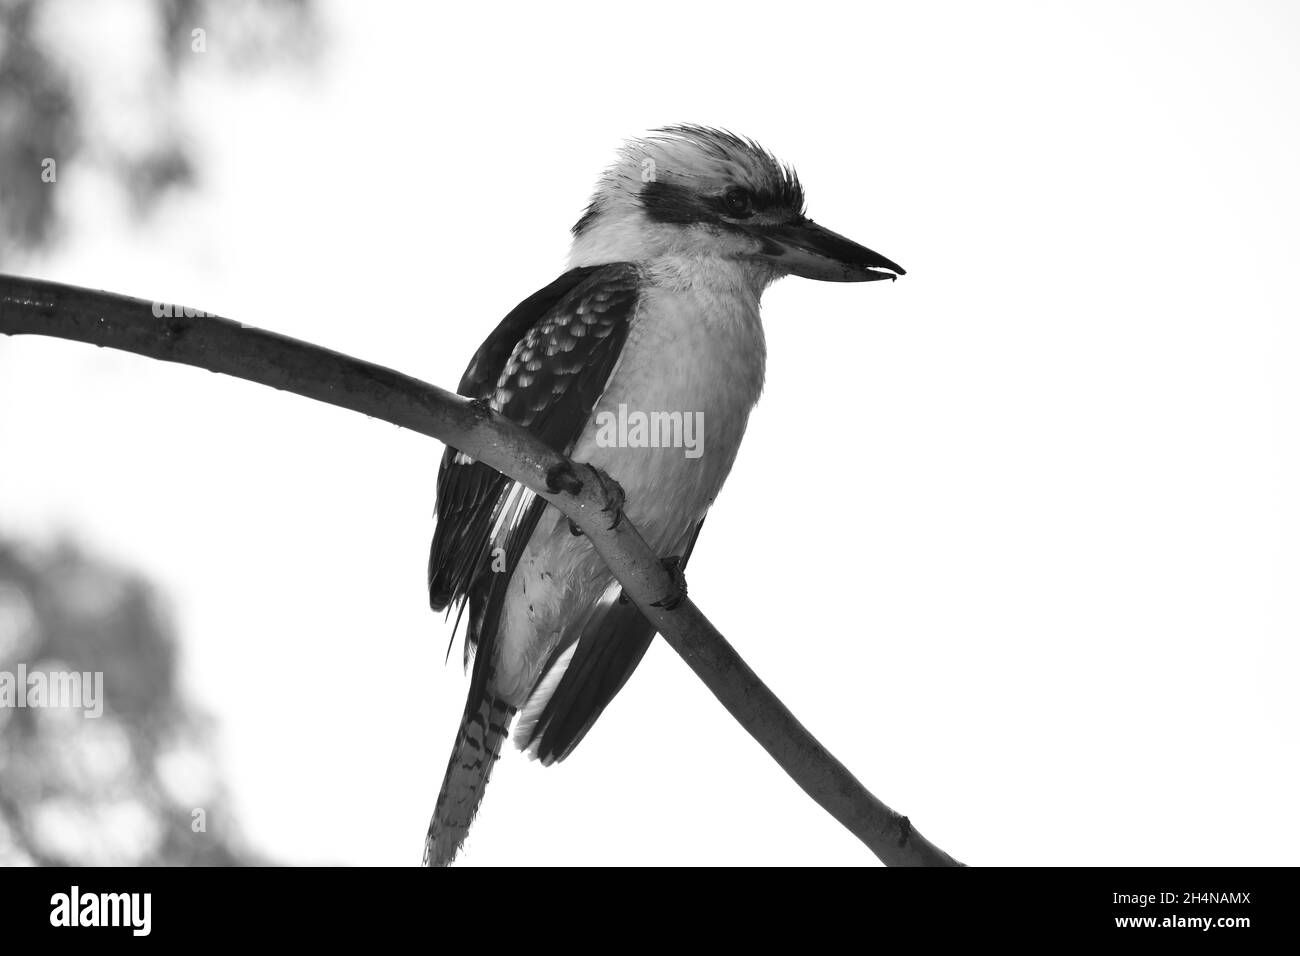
x=696, y=192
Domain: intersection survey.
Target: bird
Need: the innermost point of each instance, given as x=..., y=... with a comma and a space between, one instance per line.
x=655, y=320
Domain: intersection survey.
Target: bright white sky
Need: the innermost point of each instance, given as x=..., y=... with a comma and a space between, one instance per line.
x=1016, y=535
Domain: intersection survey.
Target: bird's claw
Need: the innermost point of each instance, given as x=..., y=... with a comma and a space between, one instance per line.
x=615, y=497
x=564, y=477
x=673, y=565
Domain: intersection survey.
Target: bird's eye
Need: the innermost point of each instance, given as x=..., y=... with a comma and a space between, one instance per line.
x=737, y=201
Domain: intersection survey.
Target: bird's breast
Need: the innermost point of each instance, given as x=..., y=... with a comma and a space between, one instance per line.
x=672, y=417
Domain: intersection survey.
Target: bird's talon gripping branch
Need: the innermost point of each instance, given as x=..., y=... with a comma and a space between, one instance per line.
x=562, y=477
x=673, y=565
x=613, y=493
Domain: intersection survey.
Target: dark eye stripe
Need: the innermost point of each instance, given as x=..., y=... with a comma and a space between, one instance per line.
x=669, y=202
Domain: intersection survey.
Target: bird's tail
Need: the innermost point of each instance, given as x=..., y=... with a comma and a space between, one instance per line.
x=478, y=743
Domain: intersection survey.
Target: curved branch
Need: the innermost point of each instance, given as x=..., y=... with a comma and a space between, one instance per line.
x=34, y=307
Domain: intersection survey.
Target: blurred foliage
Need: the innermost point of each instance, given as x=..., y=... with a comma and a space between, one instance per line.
x=49, y=106
x=121, y=788
x=110, y=110
x=100, y=89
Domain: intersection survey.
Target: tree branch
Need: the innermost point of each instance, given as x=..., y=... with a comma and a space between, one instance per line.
x=34, y=307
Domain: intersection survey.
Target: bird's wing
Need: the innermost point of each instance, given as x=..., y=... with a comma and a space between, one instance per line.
x=547, y=401
x=545, y=367
x=592, y=670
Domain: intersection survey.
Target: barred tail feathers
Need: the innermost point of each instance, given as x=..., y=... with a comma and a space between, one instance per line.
x=478, y=744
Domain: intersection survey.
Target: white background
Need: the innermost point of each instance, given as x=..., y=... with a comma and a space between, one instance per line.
x=1016, y=536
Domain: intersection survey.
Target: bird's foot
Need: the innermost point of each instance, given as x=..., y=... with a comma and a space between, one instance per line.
x=564, y=477
x=673, y=565
x=615, y=497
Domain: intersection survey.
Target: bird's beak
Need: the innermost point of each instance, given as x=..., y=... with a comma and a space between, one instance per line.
x=806, y=249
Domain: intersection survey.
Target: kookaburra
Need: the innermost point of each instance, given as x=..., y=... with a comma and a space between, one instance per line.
x=657, y=320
